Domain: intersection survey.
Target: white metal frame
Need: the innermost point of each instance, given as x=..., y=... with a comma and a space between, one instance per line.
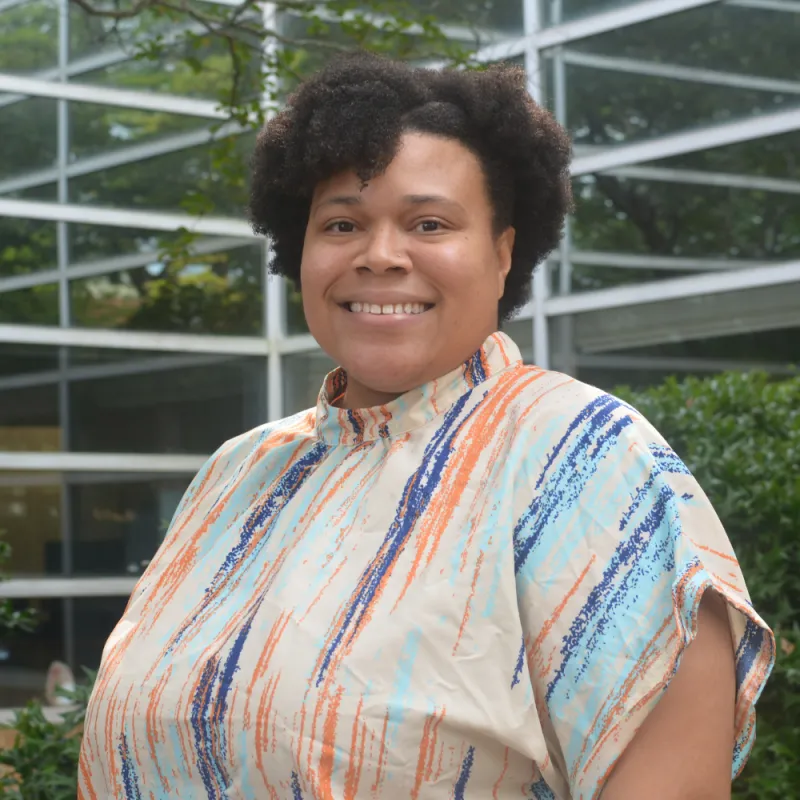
x=166, y=464
x=123, y=218
x=676, y=289
x=102, y=95
x=108, y=266
x=688, y=142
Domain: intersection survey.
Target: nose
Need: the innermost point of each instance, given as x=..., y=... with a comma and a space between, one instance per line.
x=385, y=251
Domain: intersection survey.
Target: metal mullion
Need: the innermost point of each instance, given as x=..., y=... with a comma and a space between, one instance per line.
x=759, y=183
x=533, y=64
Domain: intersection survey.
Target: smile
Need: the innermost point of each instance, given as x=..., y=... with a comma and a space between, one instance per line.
x=388, y=308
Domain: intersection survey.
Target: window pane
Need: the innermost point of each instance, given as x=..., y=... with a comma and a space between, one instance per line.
x=143, y=185
x=30, y=519
x=115, y=522
x=206, y=74
x=117, y=525
x=91, y=243
x=29, y=37
x=717, y=36
x=25, y=359
x=674, y=219
x=94, y=618
x=303, y=374
x=167, y=404
x=26, y=246
x=501, y=16
x=606, y=108
x=96, y=129
x=25, y=657
x=216, y=293
x=575, y=9
x=773, y=156
x=521, y=331
x=29, y=418
x=29, y=134
x=35, y=306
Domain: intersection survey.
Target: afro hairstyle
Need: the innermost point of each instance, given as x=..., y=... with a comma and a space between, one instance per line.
x=351, y=116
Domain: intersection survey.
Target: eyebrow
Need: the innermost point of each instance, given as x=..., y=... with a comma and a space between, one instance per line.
x=411, y=199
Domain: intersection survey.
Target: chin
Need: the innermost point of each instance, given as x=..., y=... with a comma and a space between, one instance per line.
x=388, y=373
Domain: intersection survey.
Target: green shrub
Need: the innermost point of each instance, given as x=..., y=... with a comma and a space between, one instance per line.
x=740, y=436
x=43, y=763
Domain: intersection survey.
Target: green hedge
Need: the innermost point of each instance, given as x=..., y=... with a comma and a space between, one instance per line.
x=740, y=436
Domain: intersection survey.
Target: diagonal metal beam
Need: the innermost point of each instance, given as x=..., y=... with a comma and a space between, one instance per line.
x=123, y=218
x=122, y=155
x=712, y=77
x=107, y=266
x=101, y=95
x=688, y=142
x=613, y=20
x=134, y=340
x=676, y=289
x=696, y=177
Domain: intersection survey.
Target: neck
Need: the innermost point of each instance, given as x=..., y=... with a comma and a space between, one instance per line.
x=359, y=396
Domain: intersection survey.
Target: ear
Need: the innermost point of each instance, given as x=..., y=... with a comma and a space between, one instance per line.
x=505, y=250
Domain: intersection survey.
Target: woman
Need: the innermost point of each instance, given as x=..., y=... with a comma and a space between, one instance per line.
x=457, y=576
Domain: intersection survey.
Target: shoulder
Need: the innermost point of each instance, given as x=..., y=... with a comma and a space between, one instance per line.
x=563, y=409
x=251, y=446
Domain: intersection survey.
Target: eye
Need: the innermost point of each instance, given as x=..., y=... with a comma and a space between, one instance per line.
x=341, y=226
x=429, y=226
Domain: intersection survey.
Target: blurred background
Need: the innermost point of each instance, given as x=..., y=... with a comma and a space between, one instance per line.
x=139, y=328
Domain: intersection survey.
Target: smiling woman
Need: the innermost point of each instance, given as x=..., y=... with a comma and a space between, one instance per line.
x=458, y=575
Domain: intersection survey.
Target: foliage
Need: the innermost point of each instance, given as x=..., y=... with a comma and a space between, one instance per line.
x=43, y=763
x=740, y=436
x=13, y=620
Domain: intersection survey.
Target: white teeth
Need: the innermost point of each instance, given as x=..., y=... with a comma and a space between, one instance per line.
x=398, y=308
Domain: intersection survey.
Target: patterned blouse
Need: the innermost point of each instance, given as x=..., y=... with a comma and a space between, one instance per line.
x=479, y=590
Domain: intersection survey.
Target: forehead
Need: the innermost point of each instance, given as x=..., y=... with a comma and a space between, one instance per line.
x=424, y=165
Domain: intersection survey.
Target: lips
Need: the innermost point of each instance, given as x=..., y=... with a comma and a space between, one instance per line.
x=388, y=308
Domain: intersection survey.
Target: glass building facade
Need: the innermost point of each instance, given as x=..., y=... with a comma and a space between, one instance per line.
x=119, y=376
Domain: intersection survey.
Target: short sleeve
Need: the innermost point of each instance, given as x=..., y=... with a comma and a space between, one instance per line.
x=612, y=558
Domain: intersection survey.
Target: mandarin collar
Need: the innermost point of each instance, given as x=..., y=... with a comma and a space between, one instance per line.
x=415, y=408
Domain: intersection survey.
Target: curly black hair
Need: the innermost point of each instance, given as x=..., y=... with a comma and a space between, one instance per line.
x=351, y=116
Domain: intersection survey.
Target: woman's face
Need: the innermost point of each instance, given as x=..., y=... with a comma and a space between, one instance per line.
x=401, y=277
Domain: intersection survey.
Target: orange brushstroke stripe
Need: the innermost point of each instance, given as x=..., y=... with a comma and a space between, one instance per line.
x=381, y=755
x=423, y=755
x=535, y=650
x=328, y=755
x=496, y=789
x=436, y=724
x=356, y=759
x=468, y=606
